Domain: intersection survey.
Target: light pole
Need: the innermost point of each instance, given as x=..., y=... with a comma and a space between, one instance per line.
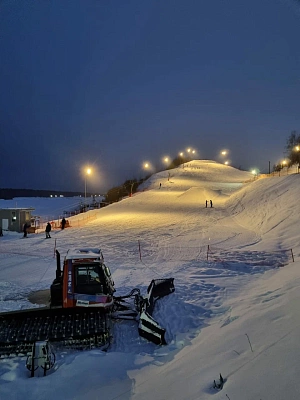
x=166, y=160
x=181, y=156
x=87, y=172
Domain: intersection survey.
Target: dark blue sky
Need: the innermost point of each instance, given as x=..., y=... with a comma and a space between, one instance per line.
x=114, y=83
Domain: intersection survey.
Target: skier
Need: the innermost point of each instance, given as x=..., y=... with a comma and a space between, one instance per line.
x=206, y=204
x=63, y=223
x=48, y=230
x=210, y=203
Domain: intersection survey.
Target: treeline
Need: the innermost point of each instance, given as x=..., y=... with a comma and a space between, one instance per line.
x=292, y=150
x=126, y=189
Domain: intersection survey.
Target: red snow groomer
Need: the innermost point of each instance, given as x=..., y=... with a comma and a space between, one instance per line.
x=82, y=308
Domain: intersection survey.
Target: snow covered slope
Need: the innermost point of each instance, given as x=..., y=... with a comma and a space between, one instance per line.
x=235, y=308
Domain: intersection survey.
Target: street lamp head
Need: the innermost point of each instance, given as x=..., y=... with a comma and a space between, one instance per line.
x=88, y=171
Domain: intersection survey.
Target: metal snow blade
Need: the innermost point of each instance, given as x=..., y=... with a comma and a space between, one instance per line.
x=157, y=289
x=148, y=327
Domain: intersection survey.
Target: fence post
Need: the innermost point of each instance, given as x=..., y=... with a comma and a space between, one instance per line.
x=207, y=252
x=54, y=248
x=140, y=250
x=292, y=255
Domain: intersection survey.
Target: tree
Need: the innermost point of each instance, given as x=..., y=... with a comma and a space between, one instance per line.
x=293, y=148
x=126, y=189
x=113, y=194
x=277, y=167
x=178, y=161
x=131, y=186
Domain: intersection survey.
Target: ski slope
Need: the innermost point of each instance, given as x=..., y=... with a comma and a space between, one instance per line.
x=234, y=310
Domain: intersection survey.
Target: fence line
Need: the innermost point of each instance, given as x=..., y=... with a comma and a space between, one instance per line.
x=75, y=221
x=211, y=253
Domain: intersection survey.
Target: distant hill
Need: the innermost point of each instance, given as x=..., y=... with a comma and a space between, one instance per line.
x=7, y=194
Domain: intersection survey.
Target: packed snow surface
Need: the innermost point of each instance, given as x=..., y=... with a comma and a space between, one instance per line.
x=235, y=310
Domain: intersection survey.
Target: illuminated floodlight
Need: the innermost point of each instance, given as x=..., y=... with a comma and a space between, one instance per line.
x=226, y=162
x=193, y=151
x=188, y=150
x=166, y=159
x=181, y=154
x=297, y=148
x=88, y=171
x=223, y=152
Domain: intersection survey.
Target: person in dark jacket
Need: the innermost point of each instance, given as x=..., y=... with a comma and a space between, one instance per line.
x=48, y=230
x=63, y=223
x=211, y=203
x=25, y=227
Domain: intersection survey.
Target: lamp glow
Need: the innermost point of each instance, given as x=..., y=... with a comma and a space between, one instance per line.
x=87, y=172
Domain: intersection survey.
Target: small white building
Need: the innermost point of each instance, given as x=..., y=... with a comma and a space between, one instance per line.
x=13, y=219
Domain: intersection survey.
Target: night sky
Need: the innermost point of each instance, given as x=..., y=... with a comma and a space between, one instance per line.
x=113, y=83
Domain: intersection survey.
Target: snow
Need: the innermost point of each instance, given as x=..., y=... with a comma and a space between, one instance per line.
x=235, y=309
x=49, y=208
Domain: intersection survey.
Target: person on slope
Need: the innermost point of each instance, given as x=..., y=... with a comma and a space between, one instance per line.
x=25, y=228
x=48, y=230
x=63, y=223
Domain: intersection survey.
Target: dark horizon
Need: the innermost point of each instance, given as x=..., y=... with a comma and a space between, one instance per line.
x=111, y=85
x=10, y=193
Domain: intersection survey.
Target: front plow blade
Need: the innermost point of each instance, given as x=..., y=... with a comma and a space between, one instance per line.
x=150, y=329
x=157, y=289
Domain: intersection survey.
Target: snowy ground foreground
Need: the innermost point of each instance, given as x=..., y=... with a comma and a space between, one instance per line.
x=248, y=288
